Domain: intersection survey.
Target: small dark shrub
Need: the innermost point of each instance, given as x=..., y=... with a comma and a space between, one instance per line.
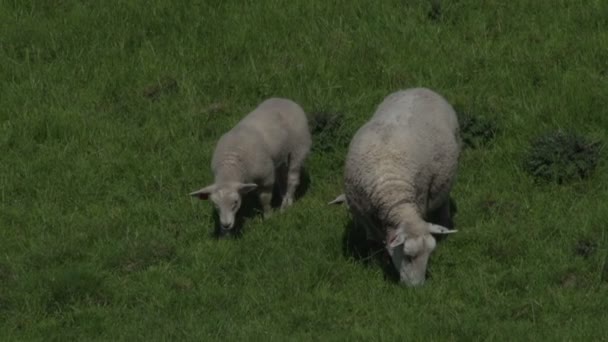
x=585, y=248
x=476, y=131
x=560, y=157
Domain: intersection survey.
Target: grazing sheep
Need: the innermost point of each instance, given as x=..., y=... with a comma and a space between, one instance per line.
x=400, y=167
x=247, y=157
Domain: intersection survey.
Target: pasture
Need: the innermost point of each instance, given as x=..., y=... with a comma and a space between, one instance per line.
x=109, y=112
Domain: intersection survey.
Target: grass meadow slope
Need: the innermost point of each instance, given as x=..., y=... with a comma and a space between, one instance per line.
x=109, y=112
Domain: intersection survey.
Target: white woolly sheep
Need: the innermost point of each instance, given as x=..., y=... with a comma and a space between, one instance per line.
x=247, y=158
x=401, y=166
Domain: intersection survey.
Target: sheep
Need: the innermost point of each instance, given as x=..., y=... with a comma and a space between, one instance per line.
x=247, y=158
x=401, y=166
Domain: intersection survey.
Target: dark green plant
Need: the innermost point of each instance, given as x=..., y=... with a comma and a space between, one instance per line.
x=561, y=156
x=476, y=131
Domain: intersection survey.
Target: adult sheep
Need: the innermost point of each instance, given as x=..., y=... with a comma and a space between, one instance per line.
x=400, y=167
x=247, y=158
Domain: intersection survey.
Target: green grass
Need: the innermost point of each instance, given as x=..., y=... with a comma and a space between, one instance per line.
x=110, y=112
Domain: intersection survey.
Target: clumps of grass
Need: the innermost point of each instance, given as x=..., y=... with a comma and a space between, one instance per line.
x=65, y=253
x=476, y=131
x=504, y=250
x=573, y=278
x=183, y=284
x=140, y=257
x=165, y=85
x=326, y=128
x=561, y=157
x=73, y=286
x=524, y=312
x=216, y=108
x=568, y=280
x=213, y=113
x=491, y=205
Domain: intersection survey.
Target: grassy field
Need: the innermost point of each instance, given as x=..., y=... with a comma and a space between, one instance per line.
x=109, y=112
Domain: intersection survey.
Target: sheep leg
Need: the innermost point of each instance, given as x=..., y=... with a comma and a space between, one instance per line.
x=293, y=180
x=266, y=199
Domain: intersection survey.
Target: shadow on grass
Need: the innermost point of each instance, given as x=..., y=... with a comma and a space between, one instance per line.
x=252, y=207
x=356, y=246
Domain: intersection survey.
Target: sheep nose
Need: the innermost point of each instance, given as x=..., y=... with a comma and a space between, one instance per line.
x=226, y=226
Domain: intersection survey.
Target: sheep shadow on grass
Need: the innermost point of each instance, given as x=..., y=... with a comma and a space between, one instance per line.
x=251, y=206
x=356, y=246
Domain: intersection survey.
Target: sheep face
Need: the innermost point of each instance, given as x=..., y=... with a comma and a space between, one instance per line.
x=410, y=253
x=410, y=256
x=227, y=198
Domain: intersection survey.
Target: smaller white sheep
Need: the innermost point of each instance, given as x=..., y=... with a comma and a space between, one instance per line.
x=248, y=157
x=400, y=167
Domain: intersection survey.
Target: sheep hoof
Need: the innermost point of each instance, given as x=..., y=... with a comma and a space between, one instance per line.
x=287, y=202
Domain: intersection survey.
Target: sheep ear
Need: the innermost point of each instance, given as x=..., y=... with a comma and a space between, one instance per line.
x=244, y=188
x=437, y=229
x=204, y=193
x=339, y=200
x=396, y=238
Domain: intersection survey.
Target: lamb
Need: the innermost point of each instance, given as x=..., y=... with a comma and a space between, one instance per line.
x=401, y=166
x=248, y=157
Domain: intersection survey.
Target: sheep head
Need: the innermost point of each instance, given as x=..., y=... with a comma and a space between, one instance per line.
x=410, y=252
x=227, y=198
